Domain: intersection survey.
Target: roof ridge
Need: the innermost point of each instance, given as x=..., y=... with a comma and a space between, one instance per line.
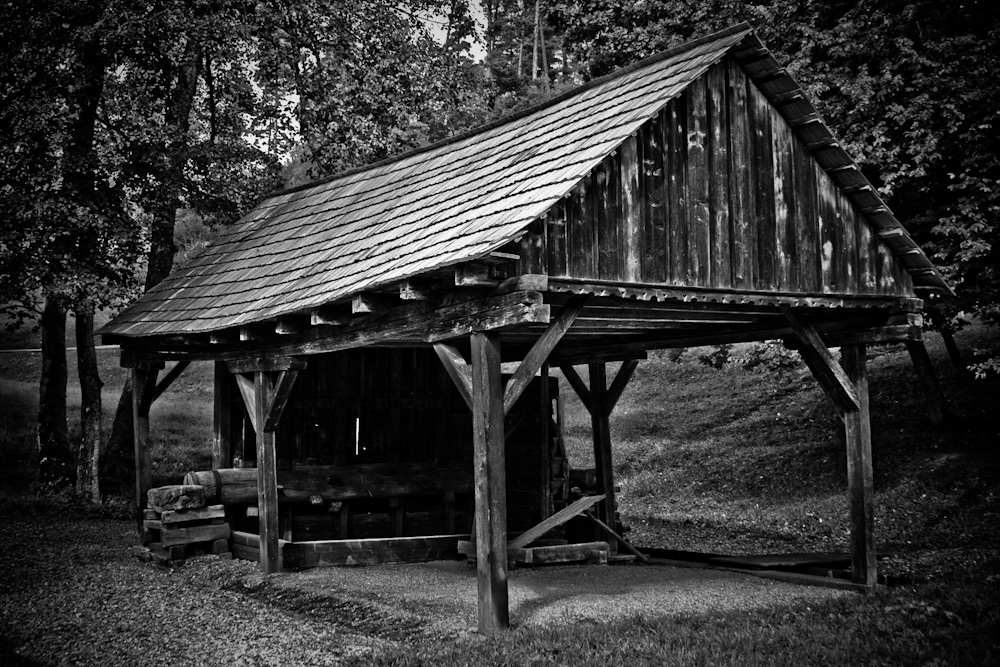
x=462, y=136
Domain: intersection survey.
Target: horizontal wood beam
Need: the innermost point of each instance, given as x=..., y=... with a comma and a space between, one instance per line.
x=266, y=364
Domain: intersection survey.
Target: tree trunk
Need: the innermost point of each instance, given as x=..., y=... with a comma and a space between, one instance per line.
x=119, y=466
x=55, y=459
x=89, y=450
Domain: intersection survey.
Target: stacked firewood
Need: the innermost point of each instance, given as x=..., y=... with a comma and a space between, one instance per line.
x=178, y=521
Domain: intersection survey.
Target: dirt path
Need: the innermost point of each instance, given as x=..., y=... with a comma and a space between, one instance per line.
x=77, y=592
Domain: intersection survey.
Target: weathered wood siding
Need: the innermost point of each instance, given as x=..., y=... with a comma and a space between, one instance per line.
x=716, y=191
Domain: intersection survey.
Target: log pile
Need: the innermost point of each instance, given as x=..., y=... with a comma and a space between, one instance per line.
x=178, y=520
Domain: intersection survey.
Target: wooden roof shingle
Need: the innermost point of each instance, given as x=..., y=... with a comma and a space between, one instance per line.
x=448, y=203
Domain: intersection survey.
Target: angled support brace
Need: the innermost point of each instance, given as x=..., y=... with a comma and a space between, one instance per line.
x=461, y=373
x=265, y=385
x=168, y=379
x=825, y=368
x=458, y=370
x=540, y=351
x=600, y=400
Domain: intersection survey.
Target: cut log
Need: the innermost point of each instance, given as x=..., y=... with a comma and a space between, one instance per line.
x=563, y=553
x=230, y=486
x=184, y=516
x=171, y=536
x=176, y=497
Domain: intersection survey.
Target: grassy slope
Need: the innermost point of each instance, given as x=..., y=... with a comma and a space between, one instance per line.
x=749, y=461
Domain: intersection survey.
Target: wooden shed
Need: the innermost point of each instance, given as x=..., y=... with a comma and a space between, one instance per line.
x=693, y=198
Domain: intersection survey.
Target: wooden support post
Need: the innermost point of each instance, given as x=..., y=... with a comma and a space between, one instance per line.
x=143, y=388
x=857, y=428
x=937, y=410
x=267, y=478
x=265, y=398
x=601, y=424
x=222, y=454
x=490, y=483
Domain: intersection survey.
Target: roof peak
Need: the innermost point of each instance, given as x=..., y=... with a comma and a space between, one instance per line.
x=479, y=129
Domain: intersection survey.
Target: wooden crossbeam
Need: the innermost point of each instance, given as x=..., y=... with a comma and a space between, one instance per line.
x=461, y=375
x=824, y=367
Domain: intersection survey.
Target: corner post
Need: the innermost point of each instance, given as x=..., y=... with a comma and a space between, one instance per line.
x=857, y=428
x=490, y=483
x=601, y=424
x=267, y=477
x=143, y=387
x=222, y=455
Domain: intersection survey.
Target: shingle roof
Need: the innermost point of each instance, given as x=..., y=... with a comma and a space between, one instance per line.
x=448, y=203
x=445, y=204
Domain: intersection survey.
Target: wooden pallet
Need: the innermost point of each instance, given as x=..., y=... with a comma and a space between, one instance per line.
x=169, y=534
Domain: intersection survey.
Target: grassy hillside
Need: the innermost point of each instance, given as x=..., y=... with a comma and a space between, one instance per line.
x=740, y=460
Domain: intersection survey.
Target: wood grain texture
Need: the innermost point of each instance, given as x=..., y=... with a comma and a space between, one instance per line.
x=861, y=494
x=490, y=484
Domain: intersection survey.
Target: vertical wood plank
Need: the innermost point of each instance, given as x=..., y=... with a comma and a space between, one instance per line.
x=848, y=260
x=267, y=478
x=763, y=168
x=857, y=428
x=143, y=383
x=720, y=194
x=580, y=231
x=545, y=446
x=222, y=456
x=677, y=258
x=609, y=242
x=698, y=219
x=555, y=226
x=805, y=226
x=741, y=181
x=785, y=255
x=490, y=483
x=629, y=207
x=654, y=219
x=827, y=220
x=601, y=425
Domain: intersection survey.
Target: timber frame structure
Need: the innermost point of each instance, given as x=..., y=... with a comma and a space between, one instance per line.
x=694, y=198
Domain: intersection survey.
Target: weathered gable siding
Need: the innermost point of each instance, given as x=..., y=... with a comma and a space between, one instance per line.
x=716, y=191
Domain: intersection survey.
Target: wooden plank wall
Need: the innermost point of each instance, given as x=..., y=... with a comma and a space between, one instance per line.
x=717, y=192
x=409, y=410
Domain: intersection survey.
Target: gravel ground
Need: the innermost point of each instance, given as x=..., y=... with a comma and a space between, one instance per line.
x=80, y=593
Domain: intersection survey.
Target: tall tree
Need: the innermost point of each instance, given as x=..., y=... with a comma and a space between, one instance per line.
x=64, y=237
